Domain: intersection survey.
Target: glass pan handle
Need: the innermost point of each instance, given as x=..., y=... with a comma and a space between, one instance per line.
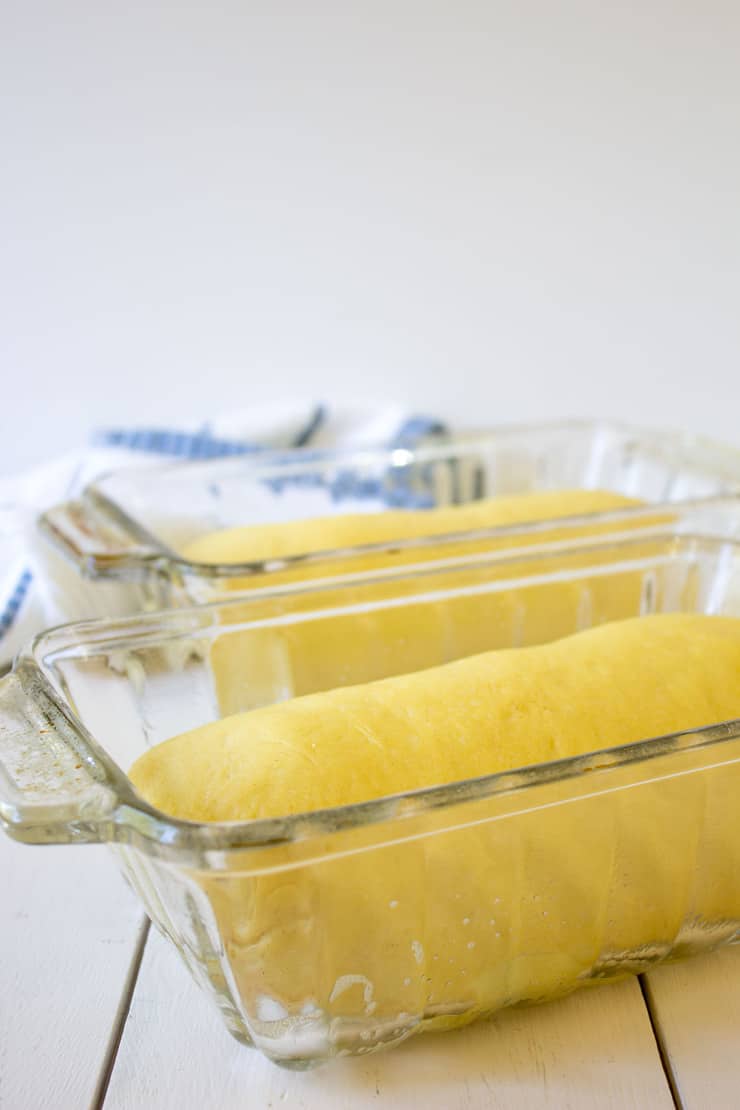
x=51, y=791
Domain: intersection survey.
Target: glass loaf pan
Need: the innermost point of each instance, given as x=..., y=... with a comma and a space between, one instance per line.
x=128, y=526
x=341, y=931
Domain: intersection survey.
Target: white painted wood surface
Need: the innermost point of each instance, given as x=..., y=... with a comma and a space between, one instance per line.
x=68, y=930
x=696, y=1006
x=594, y=1049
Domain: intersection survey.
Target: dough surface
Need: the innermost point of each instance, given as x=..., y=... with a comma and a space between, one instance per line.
x=621, y=682
x=257, y=542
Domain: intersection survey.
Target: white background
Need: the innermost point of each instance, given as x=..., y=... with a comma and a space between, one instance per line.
x=496, y=210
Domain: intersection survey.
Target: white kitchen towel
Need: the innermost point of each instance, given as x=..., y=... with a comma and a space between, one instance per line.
x=26, y=596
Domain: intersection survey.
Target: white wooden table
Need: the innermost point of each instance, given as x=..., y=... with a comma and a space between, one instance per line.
x=97, y=1011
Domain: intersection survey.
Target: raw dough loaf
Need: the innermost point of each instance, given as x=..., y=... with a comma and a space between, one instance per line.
x=429, y=920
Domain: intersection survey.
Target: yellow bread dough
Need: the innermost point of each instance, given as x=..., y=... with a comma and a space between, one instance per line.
x=257, y=667
x=260, y=542
x=617, y=683
x=359, y=632
x=431, y=920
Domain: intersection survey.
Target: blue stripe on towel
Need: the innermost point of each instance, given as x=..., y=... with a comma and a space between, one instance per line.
x=416, y=428
x=12, y=606
x=177, y=445
x=198, y=445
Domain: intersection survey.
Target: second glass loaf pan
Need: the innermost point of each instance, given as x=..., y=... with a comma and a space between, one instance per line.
x=129, y=527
